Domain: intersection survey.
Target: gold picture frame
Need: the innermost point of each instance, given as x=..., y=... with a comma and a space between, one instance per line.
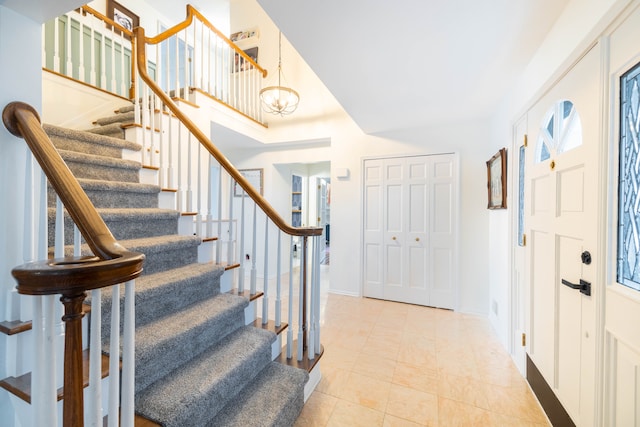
x=497, y=180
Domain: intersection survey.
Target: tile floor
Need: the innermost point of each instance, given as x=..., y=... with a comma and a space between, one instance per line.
x=392, y=364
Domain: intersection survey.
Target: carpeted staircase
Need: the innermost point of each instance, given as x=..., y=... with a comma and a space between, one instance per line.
x=197, y=364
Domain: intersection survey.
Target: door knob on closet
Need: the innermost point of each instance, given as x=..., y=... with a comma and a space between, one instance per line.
x=417, y=239
x=393, y=238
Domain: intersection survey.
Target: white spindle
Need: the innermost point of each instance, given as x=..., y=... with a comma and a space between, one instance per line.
x=56, y=45
x=92, y=48
x=318, y=290
x=94, y=401
x=265, y=298
x=230, y=228
x=254, y=272
x=67, y=40
x=81, y=71
x=170, y=169
x=180, y=168
x=103, y=64
x=301, y=301
x=177, y=67
x=279, y=280
x=77, y=241
x=312, y=308
x=219, y=241
x=210, y=184
x=290, y=309
x=241, y=256
x=59, y=229
x=194, y=64
x=128, y=355
x=43, y=44
x=124, y=85
x=144, y=109
x=181, y=94
x=189, y=175
x=152, y=128
x=208, y=62
x=114, y=85
x=114, y=362
x=199, y=193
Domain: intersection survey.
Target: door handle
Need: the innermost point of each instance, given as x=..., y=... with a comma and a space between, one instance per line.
x=584, y=286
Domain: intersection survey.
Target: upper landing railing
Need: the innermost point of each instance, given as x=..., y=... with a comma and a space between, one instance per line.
x=89, y=47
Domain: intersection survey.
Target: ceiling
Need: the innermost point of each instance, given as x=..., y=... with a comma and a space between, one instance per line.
x=415, y=63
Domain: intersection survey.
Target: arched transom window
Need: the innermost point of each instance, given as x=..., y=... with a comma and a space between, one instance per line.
x=560, y=132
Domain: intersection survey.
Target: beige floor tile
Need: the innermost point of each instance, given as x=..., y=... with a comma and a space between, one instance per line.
x=416, y=377
x=413, y=405
x=379, y=347
x=317, y=410
x=366, y=391
x=452, y=413
x=347, y=414
x=518, y=404
x=391, y=421
x=463, y=389
x=333, y=380
x=374, y=366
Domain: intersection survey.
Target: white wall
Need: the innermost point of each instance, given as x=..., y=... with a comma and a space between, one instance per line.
x=349, y=146
x=578, y=26
x=20, y=40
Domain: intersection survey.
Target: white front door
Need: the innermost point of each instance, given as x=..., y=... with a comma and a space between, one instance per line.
x=622, y=295
x=410, y=208
x=562, y=221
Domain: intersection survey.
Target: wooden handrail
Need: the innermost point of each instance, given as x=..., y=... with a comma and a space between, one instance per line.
x=191, y=13
x=73, y=276
x=212, y=149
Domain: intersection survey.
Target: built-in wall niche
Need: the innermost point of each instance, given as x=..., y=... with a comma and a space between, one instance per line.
x=296, y=201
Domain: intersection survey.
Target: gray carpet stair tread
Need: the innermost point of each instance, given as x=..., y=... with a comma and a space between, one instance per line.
x=161, y=243
x=169, y=342
x=273, y=399
x=110, y=129
x=92, y=159
x=126, y=117
x=90, y=137
x=126, y=187
x=192, y=394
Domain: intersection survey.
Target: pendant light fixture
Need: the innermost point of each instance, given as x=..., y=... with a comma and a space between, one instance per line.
x=279, y=100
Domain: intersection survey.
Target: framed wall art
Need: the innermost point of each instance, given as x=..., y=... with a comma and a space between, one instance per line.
x=497, y=180
x=121, y=15
x=255, y=178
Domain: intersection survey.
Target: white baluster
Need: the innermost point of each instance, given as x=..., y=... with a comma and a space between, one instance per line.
x=279, y=281
x=194, y=63
x=290, y=310
x=180, y=169
x=317, y=259
x=177, y=67
x=209, y=232
x=94, y=402
x=265, y=298
x=128, y=355
x=312, y=308
x=144, y=110
x=114, y=84
x=67, y=44
x=123, y=83
x=189, y=175
x=199, y=193
x=81, y=69
x=77, y=241
x=103, y=62
x=219, y=241
x=301, y=317
x=170, y=170
x=114, y=362
x=208, y=62
x=230, y=259
x=59, y=229
x=241, y=256
x=152, y=128
x=56, y=45
x=254, y=272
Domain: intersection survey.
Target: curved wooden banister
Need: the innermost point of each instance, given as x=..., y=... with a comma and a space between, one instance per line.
x=71, y=277
x=194, y=13
x=212, y=149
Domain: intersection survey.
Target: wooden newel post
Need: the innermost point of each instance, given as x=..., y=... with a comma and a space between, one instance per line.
x=73, y=404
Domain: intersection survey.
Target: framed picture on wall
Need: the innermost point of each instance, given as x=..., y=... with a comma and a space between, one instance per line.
x=497, y=180
x=255, y=178
x=121, y=15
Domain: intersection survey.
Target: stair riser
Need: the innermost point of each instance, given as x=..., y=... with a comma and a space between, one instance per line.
x=154, y=364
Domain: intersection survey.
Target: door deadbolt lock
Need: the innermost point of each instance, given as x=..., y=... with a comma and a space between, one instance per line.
x=586, y=257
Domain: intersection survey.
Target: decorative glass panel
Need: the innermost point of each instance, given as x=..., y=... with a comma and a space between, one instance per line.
x=628, y=181
x=521, y=197
x=560, y=132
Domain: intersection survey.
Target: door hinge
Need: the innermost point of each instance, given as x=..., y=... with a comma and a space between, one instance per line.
x=524, y=339
x=525, y=142
x=319, y=187
x=524, y=240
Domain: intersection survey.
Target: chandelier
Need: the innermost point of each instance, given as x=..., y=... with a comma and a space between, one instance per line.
x=280, y=100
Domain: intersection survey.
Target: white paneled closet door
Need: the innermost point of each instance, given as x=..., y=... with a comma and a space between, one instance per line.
x=410, y=211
